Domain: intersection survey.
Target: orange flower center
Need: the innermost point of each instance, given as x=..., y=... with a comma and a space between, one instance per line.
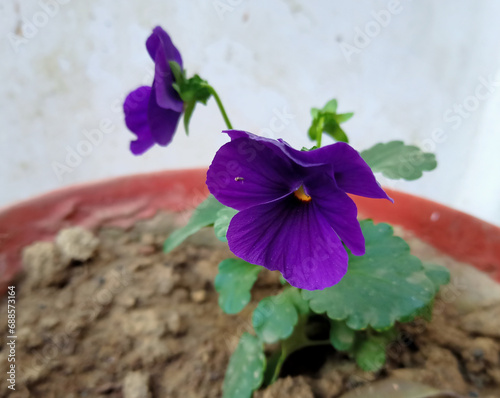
x=301, y=195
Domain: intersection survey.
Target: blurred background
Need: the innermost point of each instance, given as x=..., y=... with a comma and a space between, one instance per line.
x=425, y=72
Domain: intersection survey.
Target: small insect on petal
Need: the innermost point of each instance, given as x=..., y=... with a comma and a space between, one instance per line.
x=239, y=179
x=301, y=195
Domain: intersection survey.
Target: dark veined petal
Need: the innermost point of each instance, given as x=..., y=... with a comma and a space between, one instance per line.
x=292, y=237
x=136, y=119
x=276, y=145
x=338, y=209
x=247, y=173
x=235, y=134
x=351, y=172
x=162, y=122
x=161, y=49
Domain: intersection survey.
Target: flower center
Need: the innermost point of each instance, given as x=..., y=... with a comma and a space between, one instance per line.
x=301, y=195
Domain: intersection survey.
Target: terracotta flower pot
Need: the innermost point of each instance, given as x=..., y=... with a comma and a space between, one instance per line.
x=122, y=201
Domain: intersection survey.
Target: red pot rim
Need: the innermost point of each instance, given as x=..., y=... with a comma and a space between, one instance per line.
x=121, y=201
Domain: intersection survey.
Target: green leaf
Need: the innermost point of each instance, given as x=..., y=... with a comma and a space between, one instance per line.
x=234, y=281
x=188, y=112
x=370, y=354
x=298, y=301
x=191, y=91
x=342, y=336
x=331, y=106
x=304, y=149
x=246, y=367
x=396, y=160
x=314, y=112
x=326, y=120
x=385, y=285
x=425, y=313
x=177, y=72
x=204, y=215
x=343, y=117
x=333, y=129
x=438, y=274
x=194, y=89
x=275, y=317
x=221, y=224
x=315, y=129
x=388, y=335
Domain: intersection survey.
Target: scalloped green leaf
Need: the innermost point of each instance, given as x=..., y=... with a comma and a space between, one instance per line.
x=298, y=301
x=234, y=281
x=370, y=354
x=385, y=285
x=245, y=371
x=275, y=317
x=222, y=221
x=399, y=161
x=342, y=336
x=438, y=274
x=203, y=216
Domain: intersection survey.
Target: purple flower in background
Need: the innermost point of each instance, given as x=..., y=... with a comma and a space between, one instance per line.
x=294, y=212
x=152, y=113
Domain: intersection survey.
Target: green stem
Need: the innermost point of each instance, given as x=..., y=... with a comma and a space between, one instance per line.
x=221, y=107
x=318, y=140
x=295, y=342
x=320, y=133
x=312, y=343
x=278, y=366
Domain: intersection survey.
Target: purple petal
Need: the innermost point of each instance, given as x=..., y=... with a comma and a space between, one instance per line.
x=136, y=119
x=161, y=49
x=292, y=237
x=166, y=96
x=338, y=209
x=351, y=172
x=160, y=38
x=276, y=145
x=162, y=122
x=247, y=173
x=235, y=134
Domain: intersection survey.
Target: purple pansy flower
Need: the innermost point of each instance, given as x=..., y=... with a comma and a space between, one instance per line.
x=294, y=211
x=152, y=113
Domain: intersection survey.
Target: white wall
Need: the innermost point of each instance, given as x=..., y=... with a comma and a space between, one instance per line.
x=67, y=65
